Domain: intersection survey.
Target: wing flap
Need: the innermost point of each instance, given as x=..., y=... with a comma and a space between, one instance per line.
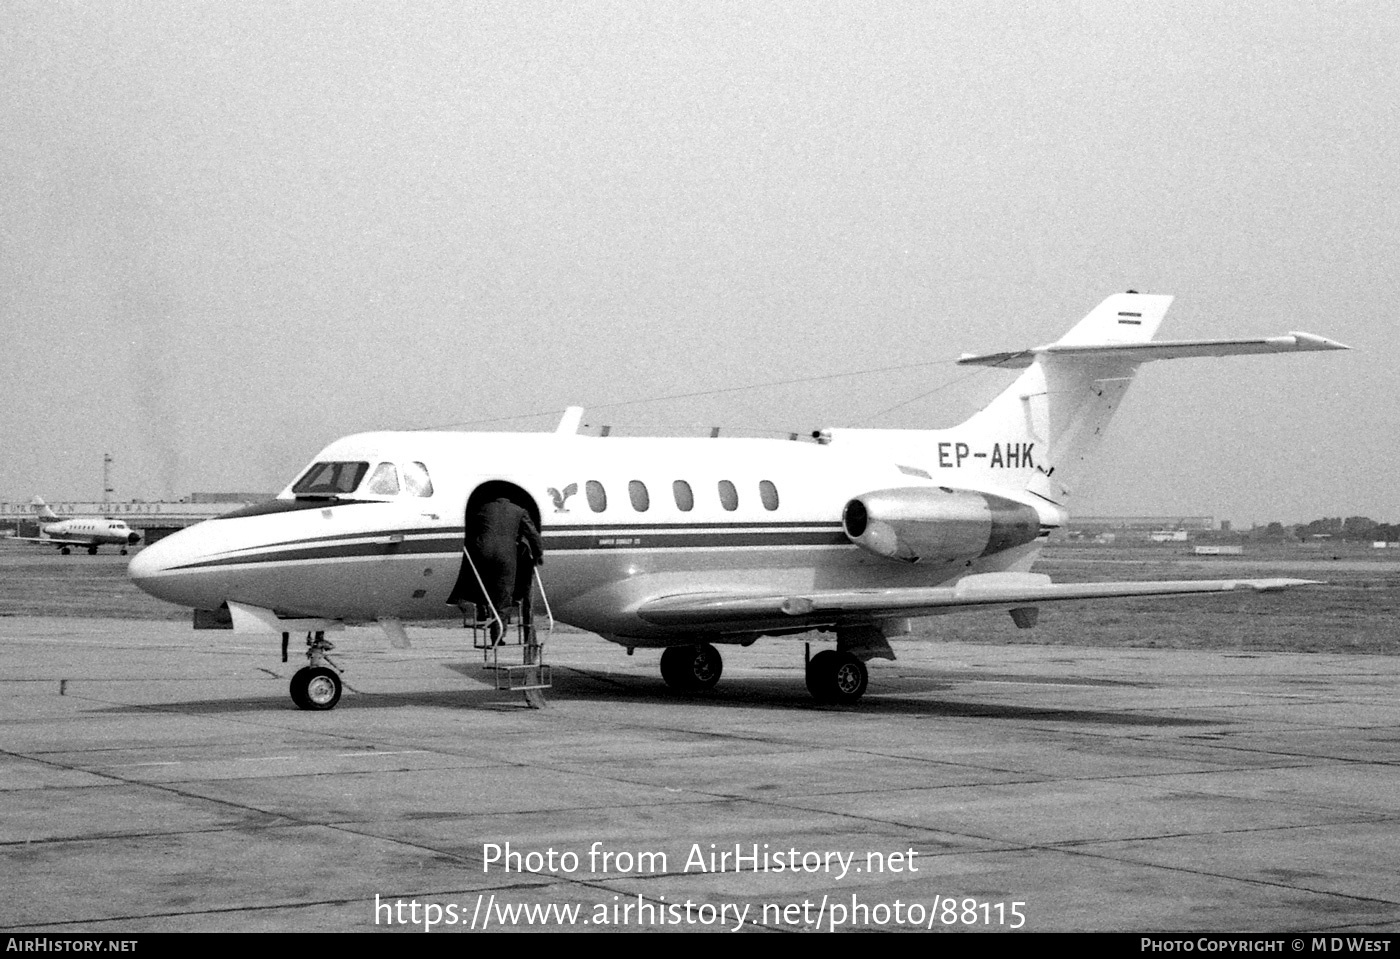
x=990, y=590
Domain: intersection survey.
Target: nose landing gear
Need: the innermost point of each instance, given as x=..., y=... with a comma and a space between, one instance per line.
x=317, y=686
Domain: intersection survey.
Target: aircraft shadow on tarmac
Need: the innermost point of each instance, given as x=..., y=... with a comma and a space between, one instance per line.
x=778, y=693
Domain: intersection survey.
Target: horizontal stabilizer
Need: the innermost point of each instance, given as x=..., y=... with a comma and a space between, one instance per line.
x=988, y=590
x=1159, y=350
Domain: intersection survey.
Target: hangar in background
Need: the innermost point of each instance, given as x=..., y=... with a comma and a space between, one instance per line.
x=154, y=519
x=1159, y=529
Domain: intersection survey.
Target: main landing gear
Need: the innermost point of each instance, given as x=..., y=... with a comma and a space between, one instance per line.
x=691, y=668
x=316, y=685
x=836, y=678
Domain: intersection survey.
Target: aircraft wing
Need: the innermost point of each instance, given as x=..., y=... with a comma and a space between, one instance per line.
x=54, y=540
x=987, y=590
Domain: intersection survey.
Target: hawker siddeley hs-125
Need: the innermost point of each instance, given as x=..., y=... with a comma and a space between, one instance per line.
x=84, y=532
x=692, y=544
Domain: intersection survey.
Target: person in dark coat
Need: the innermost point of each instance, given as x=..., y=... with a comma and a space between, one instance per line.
x=506, y=547
x=501, y=530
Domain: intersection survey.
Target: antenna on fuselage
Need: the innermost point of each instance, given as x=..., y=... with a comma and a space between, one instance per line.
x=568, y=424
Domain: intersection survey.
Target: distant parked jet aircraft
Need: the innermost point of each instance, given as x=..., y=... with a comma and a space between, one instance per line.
x=89, y=532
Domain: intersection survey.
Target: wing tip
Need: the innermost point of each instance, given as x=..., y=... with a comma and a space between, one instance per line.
x=1311, y=341
x=1274, y=585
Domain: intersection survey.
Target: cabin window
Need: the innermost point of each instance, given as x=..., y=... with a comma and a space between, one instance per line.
x=685, y=499
x=416, y=480
x=728, y=495
x=637, y=491
x=597, y=497
x=384, y=481
x=769, y=494
x=330, y=479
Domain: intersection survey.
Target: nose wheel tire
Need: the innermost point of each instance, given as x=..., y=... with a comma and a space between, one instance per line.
x=836, y=678
x=316, y=688
x=690, y=668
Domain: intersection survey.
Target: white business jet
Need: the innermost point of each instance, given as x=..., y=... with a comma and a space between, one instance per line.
x=691, y=544
x=84, y=532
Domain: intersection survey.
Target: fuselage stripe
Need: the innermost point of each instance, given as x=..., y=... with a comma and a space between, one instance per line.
x=336, y=547
x=563, y=534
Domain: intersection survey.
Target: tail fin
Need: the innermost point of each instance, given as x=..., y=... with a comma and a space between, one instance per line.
x=1054, y=415
x=1037, y=435
x=42, y=511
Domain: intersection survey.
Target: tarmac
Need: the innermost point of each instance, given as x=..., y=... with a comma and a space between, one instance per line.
x=159, y=779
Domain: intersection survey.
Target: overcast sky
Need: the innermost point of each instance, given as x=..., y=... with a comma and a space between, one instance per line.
x=232, y=232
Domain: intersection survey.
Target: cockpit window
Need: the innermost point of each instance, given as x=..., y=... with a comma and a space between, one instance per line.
x=416, y=480
x=330, y=479
x=384, y=481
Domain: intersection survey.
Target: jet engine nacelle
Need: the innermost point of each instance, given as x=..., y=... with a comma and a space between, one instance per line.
x=934, y=524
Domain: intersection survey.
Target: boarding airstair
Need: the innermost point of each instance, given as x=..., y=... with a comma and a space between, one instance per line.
x=499, y=639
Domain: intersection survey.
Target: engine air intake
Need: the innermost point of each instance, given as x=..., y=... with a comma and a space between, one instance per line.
x=937, y=525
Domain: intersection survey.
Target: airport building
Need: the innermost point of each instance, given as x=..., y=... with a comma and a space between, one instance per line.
x=1157, y=529
x=153, y=519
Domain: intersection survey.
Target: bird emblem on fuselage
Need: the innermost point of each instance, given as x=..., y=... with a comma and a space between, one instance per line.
x=560, y=498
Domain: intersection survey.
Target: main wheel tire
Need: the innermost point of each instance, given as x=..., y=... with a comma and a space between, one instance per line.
x=315, y=688
x=836, y=678
x=65, y=551
x=673, y=666
x=818, y=667
x=691, y=667
x=706, y=666
x=849, y=680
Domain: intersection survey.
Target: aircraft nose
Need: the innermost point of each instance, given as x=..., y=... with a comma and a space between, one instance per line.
x=133, y=538
x=155, y=571
x=147, y=565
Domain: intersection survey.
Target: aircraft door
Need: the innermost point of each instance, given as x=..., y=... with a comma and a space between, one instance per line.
x=500, y=548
